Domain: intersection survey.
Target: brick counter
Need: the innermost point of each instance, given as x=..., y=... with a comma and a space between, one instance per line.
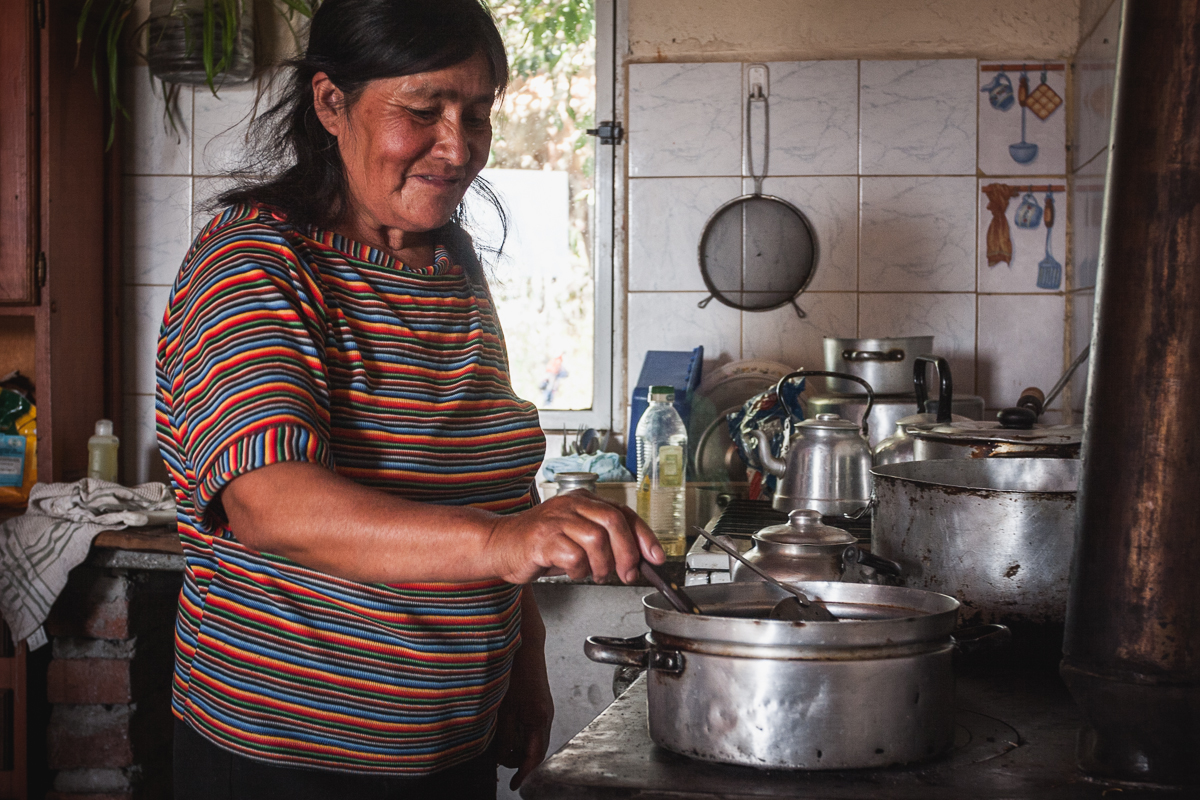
x=109, y=679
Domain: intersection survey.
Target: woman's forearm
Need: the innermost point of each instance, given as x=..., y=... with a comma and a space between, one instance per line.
x=321, y=520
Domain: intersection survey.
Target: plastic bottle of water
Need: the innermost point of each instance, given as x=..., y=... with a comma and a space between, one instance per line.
x=662, y=470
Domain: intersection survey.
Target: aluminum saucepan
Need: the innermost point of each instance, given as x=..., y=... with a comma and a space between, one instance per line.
x=873, y=689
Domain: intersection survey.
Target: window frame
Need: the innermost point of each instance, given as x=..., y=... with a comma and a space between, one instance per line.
x=610, y=34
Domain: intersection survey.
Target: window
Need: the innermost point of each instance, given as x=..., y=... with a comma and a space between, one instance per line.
x=553, y=281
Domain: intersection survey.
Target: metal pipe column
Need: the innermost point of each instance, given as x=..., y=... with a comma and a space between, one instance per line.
x=1132, y=646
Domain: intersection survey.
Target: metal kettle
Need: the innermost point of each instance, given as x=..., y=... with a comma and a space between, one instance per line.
x=805, y=549
x=900, y=447
x=828, y=465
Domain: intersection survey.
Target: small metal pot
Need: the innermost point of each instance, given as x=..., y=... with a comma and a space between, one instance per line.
x=873, y=689
x=886, y=364
x=805, y=549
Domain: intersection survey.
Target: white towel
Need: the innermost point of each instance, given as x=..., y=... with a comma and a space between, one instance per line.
x=39, y=548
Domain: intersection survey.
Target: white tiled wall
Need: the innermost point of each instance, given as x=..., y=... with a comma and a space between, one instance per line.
x=169, y=176
x=886, y=159
x=1095, y=74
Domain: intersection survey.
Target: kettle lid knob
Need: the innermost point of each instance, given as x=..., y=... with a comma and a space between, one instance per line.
x=804, y=517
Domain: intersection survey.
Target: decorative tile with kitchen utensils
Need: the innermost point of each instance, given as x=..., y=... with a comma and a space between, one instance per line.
x=156, y=227
x=813, y=117
x=948, y=317
x=1020, y=345
x=1022, y=117
x=779, y=335
x=1022, y=234
x=1095, y=76
x=917, y=234
x=917, y=117
x=685, y=119
x=674, y=321
x=666, y=219
x=830, y=203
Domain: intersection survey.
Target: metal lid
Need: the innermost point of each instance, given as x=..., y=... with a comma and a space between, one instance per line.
x=828, y=422
x=575, y=480
x=976, y=431
x=804, y=526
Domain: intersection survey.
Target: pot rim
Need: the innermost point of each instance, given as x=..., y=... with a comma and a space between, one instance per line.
x=960, y=471
x=920, y=615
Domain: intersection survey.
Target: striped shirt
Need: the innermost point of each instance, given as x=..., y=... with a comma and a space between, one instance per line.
x=286, y=344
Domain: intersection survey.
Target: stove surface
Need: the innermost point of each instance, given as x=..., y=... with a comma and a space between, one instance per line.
x=1015, y=738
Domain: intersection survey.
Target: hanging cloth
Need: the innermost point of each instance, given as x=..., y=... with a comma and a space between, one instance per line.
x=999, y=241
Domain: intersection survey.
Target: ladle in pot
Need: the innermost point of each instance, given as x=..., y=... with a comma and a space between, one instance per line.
x=798, y=608
x=674, y=593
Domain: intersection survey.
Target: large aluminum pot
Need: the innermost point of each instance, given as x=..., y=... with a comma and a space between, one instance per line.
x=997, y=533
x=871, y=690
x=886, y=364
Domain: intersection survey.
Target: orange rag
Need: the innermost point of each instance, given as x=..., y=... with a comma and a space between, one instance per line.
x=999, y=242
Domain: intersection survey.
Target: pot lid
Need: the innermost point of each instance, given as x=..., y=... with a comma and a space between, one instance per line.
x=804, y=526
x=926, y=419
x=828, y=422
x=977, y=431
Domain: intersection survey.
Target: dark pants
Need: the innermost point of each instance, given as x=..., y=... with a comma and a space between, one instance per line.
x=204, y=771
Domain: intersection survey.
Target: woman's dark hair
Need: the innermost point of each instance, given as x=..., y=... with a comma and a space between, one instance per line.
x=355, y=42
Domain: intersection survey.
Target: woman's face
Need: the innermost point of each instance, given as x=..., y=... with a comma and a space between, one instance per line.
x=412, y=145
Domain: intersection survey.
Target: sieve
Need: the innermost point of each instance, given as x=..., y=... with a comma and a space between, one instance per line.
x=757, y=252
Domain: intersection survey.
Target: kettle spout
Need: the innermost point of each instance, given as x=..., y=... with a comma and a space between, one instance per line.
x=770, y=463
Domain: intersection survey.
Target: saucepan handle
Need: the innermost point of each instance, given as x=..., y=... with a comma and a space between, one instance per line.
x=980, y=638
x=632, y=652
x=884, y=566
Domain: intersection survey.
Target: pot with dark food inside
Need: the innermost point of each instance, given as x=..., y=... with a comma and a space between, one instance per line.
x=873, y=689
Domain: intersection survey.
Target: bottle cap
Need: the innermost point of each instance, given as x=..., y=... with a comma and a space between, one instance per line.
x=662, y=393
x=104, y=427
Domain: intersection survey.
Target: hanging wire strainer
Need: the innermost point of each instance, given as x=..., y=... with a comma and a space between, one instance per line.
x=757, y=252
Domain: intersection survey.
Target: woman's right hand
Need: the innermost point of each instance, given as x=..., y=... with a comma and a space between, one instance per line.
x=576, y=534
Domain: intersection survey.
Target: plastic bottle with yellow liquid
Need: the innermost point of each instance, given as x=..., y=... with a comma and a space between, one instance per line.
x=662, y=446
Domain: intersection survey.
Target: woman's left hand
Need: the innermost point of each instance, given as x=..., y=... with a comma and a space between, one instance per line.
x=523, y=721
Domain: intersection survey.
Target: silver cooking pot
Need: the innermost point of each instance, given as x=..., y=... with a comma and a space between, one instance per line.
x=873, y=689
x=886, y=364
x=985, y=439
x=997, y=533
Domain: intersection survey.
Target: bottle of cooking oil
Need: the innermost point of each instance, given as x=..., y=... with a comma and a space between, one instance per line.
x=102, y=452
x=662, y=470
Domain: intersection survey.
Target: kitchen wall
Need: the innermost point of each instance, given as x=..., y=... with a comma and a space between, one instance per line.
x=889, y=160
x=1095, y=74
x=170, y=175
x=885, y=148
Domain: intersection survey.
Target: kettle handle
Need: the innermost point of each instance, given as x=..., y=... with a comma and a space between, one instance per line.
x=945, y=390
x=820, y=373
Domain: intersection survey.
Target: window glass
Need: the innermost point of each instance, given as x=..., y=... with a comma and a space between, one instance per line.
x=542, y=167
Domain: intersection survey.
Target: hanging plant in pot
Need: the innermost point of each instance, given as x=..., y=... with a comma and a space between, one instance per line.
x=188, y=42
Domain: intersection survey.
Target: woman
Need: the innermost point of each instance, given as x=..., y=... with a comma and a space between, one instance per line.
x=352, y=469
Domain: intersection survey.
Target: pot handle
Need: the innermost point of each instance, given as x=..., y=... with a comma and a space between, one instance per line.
x=820, y=373
x=980, y=638
x=631, y=652
x=884, y=566
x=855, y=356
x=945, y=389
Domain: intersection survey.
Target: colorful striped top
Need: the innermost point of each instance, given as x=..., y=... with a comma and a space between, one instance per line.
x=281, y=344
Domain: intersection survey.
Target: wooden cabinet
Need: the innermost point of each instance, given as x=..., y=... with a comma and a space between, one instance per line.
x=58, y=246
